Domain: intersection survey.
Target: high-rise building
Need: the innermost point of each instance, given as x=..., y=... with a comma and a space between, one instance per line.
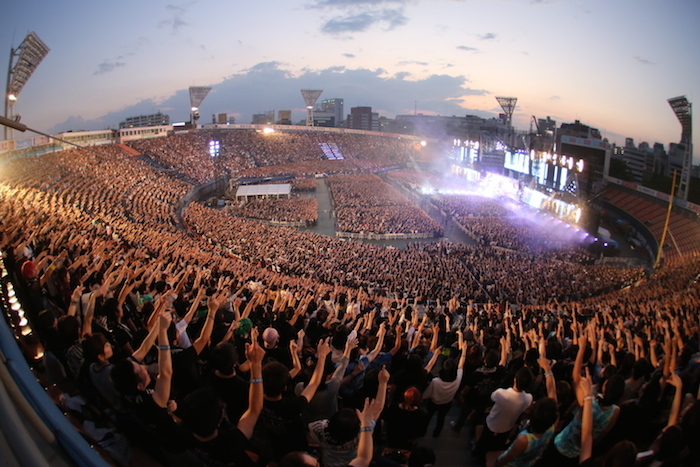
x=362, y=118
x=639, y=160
x=546, y=125
x=156, y=119
x=284, y=117
x=263, y=118
x=332, y=108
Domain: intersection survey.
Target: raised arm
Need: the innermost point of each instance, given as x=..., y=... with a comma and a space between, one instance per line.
x=350, y=344
x=201, y=293
x=254, y=354
x=161, y=394
x=584, y=392
x=546, y=366
x=578, y=364
x=75, y=300
x=433, y=359
x=677, y=383
x=365, y=448
x=463, y=349
x=322, y=352
x=150, y=339
x=296, y=363
x=213, y=305
x=381, y=392
x=380, y=343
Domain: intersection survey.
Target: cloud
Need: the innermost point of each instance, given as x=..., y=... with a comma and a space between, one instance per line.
x=487, y=37
x=388, y=19
x=401, y=75
x=176, y=22
x=554, y=98
x=411, y=62
x=467, y=49
x=643, y=61
x=353, y=16
x=106, y=67
x=269, y=85
x=354, y=3
x=349, y=55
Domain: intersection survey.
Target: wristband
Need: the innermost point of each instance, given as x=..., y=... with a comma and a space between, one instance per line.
x=548, y=373
x=366, y=428
x=163, y=347
x=256, y=380
x=589, y=398
x=210, y=317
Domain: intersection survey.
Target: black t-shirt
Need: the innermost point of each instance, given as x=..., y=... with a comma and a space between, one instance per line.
x=156, y=421
x=186, y=377
x=234, y=392
x=483, y=382
x=280, y=429
x=227, y=449
x=279, y=354
x=402, y=426
x=404, y=379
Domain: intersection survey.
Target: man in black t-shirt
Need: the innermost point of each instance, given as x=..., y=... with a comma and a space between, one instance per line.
x=202, y=413
x=280, y=429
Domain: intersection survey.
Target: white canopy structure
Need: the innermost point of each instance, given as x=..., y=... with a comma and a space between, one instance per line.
x=264, y=191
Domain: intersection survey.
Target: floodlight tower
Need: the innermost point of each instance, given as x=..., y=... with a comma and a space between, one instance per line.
x=508, y=106
x=23, y=61
x=310, y=98
x=197, y=95
x=684, y=111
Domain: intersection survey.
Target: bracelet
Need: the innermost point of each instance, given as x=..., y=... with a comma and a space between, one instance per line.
x=548, y=373
x=210, y=317
x=256, y=380
x=366, y=428
x=163, y=347
x=589, y=398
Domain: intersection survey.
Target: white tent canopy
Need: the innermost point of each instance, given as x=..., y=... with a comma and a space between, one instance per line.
x=264, y=191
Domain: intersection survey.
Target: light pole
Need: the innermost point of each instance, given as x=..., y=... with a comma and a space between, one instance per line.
x=23, y=61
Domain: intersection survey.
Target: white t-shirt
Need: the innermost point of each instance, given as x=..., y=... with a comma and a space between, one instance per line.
x=442, y=392
x=508, y=405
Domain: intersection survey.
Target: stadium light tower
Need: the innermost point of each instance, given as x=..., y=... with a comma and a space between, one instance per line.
x=23, y=61
x=310, y=98
x=508, y=106
x=684, y=111
x=197, y=95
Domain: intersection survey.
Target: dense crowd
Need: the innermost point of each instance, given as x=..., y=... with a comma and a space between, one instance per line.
x=251, y=153
x=294, y=210
x=229, y=346
x=366, y=204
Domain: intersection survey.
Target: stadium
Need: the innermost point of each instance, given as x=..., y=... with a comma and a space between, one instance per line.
x=235, y=323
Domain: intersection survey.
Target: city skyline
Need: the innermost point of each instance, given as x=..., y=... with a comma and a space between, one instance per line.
x=611, y=65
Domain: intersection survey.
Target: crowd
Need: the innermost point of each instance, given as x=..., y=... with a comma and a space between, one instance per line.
x=432, y=271
x=229, y=346
x=279, y=210
x=366, y=204
x=250, y=153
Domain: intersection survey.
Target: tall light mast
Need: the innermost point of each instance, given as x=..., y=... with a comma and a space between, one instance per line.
x=23, y=61
x=310, y=98
x=684, y=111
x=197, y=95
